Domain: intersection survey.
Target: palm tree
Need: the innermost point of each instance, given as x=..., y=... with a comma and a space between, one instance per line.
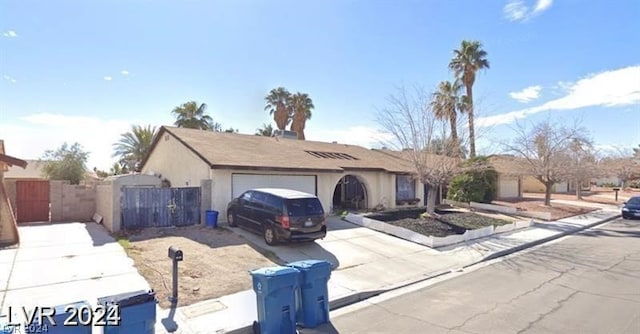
x=266, y=130
x=190, y=115
x=277, y=105
x=445, y=103
x=466, y=62
x=134, y=144
x=300, y=107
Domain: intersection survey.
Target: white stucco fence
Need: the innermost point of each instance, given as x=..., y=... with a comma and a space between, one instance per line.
x=432, y=241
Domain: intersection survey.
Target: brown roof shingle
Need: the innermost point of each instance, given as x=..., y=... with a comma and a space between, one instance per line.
x=232, y=150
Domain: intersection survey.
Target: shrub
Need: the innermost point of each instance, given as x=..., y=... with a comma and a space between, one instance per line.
x=477, y=185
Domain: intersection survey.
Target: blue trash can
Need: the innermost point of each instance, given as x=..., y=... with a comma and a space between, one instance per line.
x=212, y=218
x=275, y=294
x=313, y=295
x=5, y=326
x=137, y=312
x=81, y=321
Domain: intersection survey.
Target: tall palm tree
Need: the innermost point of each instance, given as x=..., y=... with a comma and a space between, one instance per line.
x=466, y=62
x=266, y=130
x=134, y=144
x=445, y=103
x=193, y=116
x=300, y=107
x=277, y=105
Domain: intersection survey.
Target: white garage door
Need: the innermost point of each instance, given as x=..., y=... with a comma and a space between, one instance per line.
x=508, y=187
x=244, y=182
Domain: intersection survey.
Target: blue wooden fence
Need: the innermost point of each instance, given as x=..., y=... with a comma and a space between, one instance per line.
x=160, y=207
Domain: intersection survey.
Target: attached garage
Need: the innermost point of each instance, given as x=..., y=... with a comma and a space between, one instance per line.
x=243, y=182
x=508, y=187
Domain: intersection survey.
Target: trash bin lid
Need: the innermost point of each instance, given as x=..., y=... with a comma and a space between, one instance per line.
x=310, y=264
x=129, y=298
x=274, y=271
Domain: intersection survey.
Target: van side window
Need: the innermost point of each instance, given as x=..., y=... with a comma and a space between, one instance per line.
x=258, y=199
x=274, y=203
x=246, y=196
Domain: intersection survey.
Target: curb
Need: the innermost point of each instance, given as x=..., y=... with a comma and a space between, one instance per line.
x=544, y=240
x=361, y=296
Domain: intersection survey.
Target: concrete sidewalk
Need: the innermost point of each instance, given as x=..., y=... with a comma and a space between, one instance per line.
x=235, y=313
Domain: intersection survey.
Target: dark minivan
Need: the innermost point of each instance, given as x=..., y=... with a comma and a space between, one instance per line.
x=278, y=214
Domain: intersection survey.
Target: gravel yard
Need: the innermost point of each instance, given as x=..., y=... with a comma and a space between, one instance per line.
x=216, y=261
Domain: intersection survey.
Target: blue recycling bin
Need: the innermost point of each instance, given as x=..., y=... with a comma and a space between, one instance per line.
x=313, y=296
x=212, y=218
x=5, y=326
x=275, y=295
x=137, y=312
x=81, y=320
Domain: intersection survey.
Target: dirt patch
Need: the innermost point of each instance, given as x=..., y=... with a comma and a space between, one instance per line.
x=557, y=211
x=216, y=261
x=450, y=222
x=426, y=227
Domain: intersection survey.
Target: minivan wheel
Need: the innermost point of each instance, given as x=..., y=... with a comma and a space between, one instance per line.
x=231, y=219
x=269, y=235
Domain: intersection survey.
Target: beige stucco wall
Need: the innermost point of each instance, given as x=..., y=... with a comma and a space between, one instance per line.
x=531, y=185
x=104, y=204
x=380, y=188
x=177, y=163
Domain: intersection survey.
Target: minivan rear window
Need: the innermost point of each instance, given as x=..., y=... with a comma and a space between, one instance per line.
x=304, y=207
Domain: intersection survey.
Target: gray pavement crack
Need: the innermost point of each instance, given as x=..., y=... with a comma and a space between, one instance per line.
x=599, y=294
x=496, y=305
x=625, y=258
x=553, y=310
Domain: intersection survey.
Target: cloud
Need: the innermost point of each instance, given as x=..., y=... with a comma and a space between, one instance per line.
x=31, y=135
x=124, y=72
x=517, y=10
x=615, y=88
x=356, y=135
x=108, y=78
x=527, y=95
x=10, y=34
x=8, y=78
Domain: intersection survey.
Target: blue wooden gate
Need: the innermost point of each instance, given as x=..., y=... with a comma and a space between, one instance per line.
x=159, y=207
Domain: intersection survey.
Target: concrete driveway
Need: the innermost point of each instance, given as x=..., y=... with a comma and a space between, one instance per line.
x=62, y=263
x=363, y=259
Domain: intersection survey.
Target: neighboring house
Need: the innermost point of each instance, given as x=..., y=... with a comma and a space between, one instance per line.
x=32, y=172
x=227, y=164
x=510, y=179
x=8, y=228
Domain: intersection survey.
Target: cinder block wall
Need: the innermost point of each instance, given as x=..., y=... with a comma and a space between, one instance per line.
x=71, y=202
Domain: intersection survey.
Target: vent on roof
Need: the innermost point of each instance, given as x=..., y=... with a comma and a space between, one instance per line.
x=332, y=155
x=285, y=134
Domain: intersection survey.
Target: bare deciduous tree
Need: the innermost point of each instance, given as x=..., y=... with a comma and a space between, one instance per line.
x=621, y=164
x=583, y=164
x=545, y=150
x=418, y=133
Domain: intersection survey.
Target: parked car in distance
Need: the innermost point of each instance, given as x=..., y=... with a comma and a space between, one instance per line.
x=631, y=208
x=279, y=215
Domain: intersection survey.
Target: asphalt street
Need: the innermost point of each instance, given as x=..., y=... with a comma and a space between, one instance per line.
x=586, y=283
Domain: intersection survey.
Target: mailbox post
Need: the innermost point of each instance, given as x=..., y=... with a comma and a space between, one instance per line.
x=616, y=189
x=175, y=255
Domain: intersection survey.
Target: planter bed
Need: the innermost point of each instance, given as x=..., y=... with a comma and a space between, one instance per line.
x=452, y=227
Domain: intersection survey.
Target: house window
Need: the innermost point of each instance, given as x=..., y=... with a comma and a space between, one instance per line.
x=405, y=187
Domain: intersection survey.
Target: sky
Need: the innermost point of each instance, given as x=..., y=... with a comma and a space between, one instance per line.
x=85, y=71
